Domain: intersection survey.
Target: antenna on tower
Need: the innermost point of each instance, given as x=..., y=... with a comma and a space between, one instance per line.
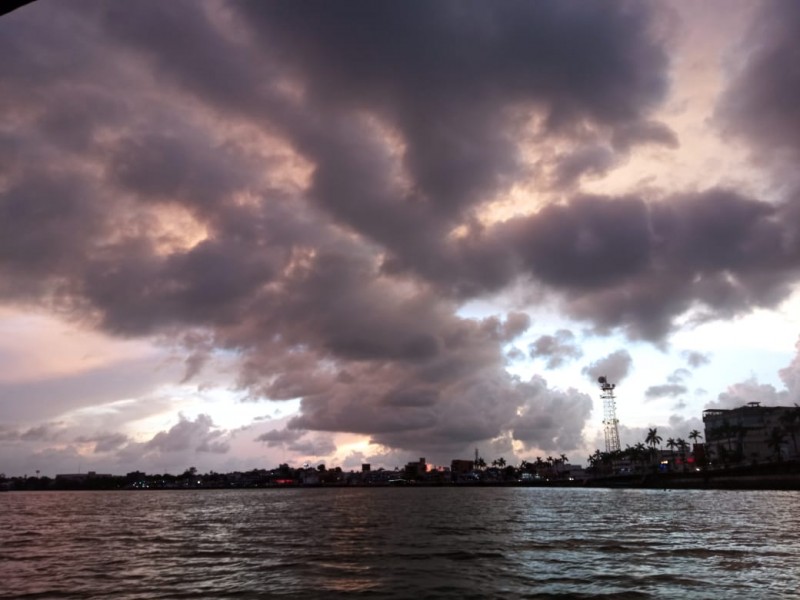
x=610, y=422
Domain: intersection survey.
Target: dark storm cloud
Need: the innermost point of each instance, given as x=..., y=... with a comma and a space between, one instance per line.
x=556, y=349
x=759, y=102
x=328, y=154
x=278, y=437
x=589, y=243
x=551, y=419
x=592, y=160
x=622, y=263
x=446, y=74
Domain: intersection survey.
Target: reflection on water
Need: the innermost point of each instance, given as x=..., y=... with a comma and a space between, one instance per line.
x=400, y=542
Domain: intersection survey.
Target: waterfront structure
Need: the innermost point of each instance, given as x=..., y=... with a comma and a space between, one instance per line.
x=610, y=422
x=415, y=470
x=751, y=433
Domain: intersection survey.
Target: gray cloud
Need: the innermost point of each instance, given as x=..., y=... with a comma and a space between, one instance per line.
x=669, y=390
x=551, y=420
x=279, y=437
x=696, y=359
x=755, y=104
x=750, y=390
x=104, y=442
x=679, y=375
x=556, y=349
x=674, y=387
x=316, y=446
x=199, y=435
x=614, y=367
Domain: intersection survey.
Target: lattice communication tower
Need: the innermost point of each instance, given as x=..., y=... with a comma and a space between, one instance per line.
x=610, y=421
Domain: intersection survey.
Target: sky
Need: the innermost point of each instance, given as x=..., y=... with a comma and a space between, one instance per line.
x=237, y=234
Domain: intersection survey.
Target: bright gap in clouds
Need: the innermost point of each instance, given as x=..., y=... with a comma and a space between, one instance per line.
x=752, y=347
x=38, y=347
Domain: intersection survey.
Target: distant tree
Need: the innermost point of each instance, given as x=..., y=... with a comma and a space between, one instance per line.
x=695, y=435
x=639, y=453
x=653, y=439
x=776, y=440
x=501, y=462
x=595, y=459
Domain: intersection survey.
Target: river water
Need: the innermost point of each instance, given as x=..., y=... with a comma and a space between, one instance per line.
x=400, y=543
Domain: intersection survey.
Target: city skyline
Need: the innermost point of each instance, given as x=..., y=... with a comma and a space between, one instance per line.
x=243, y=234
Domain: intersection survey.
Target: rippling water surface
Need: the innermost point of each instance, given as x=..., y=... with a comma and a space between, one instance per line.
x=400, y=542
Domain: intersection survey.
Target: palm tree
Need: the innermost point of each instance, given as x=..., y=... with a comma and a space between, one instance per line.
x=695, y=435
x=640, y=453
x=595, y=460
x=672, y=444
x=653, y=439
x=501, y=462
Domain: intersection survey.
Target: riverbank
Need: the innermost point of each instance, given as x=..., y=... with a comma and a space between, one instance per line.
x=784, y=476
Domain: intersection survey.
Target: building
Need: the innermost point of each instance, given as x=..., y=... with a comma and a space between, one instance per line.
x=415, y=470
x=751, y=434
x=461, y=467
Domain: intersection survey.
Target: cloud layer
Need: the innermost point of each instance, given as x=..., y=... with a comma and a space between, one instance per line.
x=318, y=197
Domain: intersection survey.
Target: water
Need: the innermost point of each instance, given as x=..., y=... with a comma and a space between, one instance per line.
x=400, y=543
